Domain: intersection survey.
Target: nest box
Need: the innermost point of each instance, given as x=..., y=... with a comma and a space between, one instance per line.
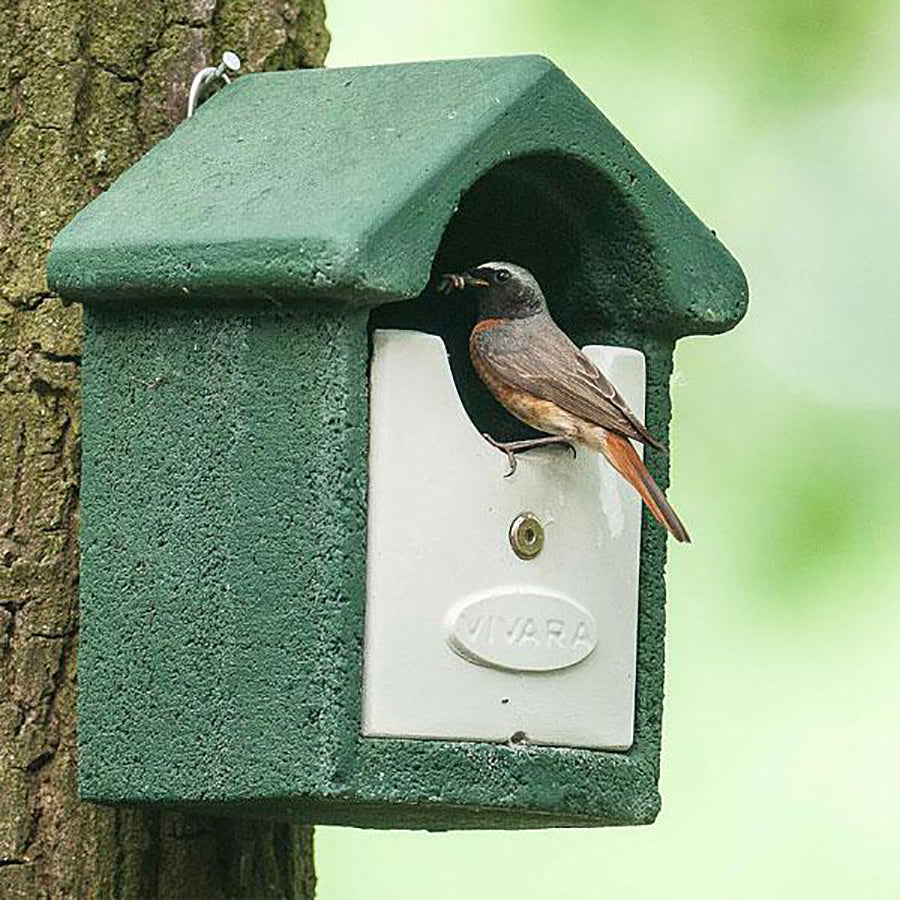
x=307, y=589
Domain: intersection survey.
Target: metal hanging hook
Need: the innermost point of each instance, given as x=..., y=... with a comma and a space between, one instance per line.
x=205, y=78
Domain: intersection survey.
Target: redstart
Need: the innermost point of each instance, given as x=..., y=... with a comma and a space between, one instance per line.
x=530, y=365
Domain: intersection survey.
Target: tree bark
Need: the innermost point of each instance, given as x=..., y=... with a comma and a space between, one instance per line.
x=86, y=87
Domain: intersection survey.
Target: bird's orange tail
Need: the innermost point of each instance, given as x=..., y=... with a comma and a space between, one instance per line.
x=619, y=451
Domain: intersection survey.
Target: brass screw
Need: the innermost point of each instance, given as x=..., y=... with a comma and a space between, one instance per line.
x=526, y=535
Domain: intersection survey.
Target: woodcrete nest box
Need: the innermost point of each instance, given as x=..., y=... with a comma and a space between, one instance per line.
x=307, y=589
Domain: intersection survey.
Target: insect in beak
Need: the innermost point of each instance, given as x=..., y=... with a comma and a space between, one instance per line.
x=456, y=282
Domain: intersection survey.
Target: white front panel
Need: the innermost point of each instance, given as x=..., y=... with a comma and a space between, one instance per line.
x=465, y=640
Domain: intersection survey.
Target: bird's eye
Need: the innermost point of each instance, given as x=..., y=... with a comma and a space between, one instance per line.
x=502, y=275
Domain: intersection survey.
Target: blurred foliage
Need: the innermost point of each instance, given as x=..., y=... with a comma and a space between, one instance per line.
x=784, y=50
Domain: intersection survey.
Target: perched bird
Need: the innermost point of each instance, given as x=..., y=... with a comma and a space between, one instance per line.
x=530, y=365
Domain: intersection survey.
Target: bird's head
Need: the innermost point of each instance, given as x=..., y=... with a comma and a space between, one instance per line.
x=504, y=290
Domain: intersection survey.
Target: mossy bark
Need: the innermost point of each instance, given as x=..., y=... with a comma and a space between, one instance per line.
x=86, y=87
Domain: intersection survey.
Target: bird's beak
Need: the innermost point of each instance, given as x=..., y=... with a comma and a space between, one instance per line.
x=474, y=278
x=456, y=282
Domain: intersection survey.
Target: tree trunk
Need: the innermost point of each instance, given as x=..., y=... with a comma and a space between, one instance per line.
x=86, y=87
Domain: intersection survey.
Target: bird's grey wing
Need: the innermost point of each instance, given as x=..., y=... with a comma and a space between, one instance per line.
x=539, y=358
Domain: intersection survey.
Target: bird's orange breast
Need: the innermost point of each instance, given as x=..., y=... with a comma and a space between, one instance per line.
x=534, y=411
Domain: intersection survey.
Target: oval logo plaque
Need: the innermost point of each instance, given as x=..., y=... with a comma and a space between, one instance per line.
x=524, y=630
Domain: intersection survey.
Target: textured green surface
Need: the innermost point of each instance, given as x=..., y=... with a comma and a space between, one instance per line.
x=224, y=514
x=223, y=555
x=339, y=184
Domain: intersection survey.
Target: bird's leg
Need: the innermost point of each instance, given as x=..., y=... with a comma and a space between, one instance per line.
x=511, y=448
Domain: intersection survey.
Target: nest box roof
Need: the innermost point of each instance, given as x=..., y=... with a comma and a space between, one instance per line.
x=340, y=184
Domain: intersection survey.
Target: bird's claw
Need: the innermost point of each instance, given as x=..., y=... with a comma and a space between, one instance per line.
x=513, y=447
x=510, y=453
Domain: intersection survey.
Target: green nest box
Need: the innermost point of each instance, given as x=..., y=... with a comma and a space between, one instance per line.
x=307, y=589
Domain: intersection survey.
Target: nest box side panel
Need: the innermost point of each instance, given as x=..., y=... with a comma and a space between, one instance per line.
x=442, y=784
x=223, y=550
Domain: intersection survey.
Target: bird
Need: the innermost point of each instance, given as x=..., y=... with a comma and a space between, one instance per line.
x=538, y=374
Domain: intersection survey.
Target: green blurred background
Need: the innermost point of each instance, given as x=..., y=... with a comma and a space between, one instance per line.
x=778, y=121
